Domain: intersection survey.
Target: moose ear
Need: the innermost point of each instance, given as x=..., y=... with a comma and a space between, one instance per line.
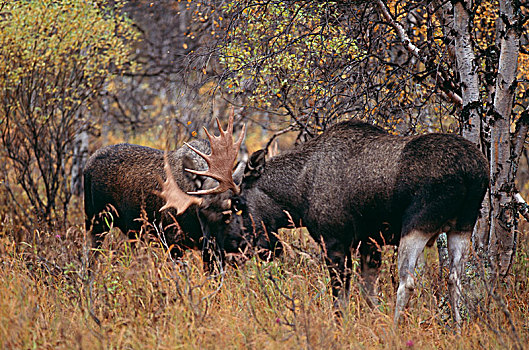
x=238, y=173
x=256, y=164
x=187, y=163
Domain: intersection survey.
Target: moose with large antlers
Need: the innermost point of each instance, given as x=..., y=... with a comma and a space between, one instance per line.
x=356, y=187
x=123, y=181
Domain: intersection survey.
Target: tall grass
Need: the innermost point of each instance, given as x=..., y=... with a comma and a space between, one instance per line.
x=140, y=298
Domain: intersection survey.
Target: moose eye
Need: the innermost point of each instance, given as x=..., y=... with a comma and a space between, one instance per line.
x=237, y=204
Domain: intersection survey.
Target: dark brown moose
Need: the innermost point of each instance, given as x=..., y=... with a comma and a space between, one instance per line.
x=123, y=181
x=356, y=188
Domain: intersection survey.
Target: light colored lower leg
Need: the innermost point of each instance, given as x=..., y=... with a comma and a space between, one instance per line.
x=458, y=247
x=410, y=248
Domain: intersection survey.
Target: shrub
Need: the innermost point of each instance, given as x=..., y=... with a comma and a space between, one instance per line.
x=55, y=59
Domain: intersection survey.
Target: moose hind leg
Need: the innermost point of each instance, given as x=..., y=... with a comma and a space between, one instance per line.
x=458, y=248
x=410, y=248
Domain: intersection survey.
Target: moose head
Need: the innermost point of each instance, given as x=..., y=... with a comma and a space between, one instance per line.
x=237, y=240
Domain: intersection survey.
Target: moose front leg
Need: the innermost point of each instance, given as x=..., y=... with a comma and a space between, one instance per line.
x=213, y=254
x=213, y=257
x=370, y=262
x=339, y=265
x=96, y=228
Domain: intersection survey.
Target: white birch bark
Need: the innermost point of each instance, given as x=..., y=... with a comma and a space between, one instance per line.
x=522, y=204
x=466, y=66
x=471, y=116
x=80, y=155
x=502, y=237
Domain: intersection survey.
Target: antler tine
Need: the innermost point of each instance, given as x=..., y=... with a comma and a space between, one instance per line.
x=222, y=132
x=173, y=196
x=241, y=138
x=220, y=162
x=202, y=154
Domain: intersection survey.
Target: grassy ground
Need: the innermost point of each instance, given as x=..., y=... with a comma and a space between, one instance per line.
x=139, y=298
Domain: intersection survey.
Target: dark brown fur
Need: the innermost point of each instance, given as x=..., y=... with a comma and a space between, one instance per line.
x=355, y=184
x=123, y=180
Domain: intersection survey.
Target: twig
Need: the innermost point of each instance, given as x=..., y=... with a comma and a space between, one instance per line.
x=415, y=51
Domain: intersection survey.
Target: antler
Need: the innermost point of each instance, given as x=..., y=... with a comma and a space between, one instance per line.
x=220, y=161
x=172, y=194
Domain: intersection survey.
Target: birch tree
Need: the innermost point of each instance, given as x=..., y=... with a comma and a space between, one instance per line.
x=487, y=119
x=505, y=147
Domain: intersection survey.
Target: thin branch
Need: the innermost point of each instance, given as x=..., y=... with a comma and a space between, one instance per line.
x=415, y=51
x=281, y=132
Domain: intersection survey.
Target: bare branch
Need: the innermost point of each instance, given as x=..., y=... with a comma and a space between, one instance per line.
x=415, y=51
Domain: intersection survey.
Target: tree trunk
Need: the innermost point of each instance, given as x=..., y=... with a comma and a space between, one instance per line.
x=470, y=117
x=503, y=215
x=80, y=155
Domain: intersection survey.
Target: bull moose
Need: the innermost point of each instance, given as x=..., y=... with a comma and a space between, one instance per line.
x=122, y=182
x=356, y=187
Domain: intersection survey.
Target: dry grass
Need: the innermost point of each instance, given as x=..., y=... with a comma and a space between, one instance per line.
x=141, y=299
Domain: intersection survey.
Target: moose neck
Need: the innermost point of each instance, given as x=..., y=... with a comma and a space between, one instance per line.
x=279, y=192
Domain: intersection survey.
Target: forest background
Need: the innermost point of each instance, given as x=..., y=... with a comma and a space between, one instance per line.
x=78, y=75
